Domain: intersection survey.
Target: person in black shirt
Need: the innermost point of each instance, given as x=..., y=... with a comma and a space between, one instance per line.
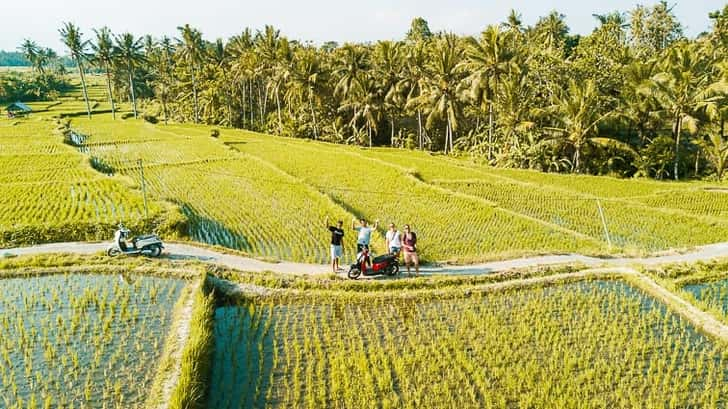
x=337, y=248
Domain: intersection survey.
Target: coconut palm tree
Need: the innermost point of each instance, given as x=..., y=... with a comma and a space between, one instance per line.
x=305, y=82
x=576, y=112
x=487, y=60
x=411, y=84
x=683, y=89
x=32, y=53
x=104, y=56
x=388, y=74
x=366, y=105
x=192, y=51
x=440, y=97
x=73, y=39
x=131, y=56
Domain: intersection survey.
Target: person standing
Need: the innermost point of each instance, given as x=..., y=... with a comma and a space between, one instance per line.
x=364, y=233
x=409, y=241
x=394, y=240
x=337, y=244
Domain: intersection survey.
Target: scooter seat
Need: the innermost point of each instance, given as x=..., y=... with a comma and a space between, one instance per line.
x=382, y=258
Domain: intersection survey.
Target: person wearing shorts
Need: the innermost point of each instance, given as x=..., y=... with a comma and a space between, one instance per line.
x=409, y=241
x=337, y=248
x=364, y=235
x=394, y=240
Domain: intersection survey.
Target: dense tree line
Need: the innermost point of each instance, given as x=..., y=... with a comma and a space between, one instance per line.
x=634, y=97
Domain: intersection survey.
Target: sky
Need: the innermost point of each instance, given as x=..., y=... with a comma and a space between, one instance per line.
x=307, y=20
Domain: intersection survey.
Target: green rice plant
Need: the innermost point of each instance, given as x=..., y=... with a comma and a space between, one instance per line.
x=582, y=344
x=191, y=389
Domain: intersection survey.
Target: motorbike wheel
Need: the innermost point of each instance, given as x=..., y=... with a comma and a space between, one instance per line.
x=354, y=273
x=113, y=252
x=155, y=251
x=393, y=269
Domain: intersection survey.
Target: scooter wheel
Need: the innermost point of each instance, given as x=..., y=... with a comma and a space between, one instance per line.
x=113, y=252
x=354, y=273
x=393, y=269
x=155, y=251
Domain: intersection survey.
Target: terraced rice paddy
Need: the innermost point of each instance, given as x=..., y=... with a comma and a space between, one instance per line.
x=83, y=341
x=268, y=196
x=585, y=344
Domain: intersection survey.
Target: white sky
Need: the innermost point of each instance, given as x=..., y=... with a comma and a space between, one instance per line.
x=315, y=20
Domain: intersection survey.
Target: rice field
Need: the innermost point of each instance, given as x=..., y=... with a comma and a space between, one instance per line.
x=83, y=341
x=268, y=196
x=600, y=344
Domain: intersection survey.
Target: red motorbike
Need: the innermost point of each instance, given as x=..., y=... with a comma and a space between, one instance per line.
x=386, y=264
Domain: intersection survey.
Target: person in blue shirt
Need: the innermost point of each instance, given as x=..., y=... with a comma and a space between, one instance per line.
x=364, y=234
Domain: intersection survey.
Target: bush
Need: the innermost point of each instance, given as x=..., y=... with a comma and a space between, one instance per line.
x=150, y=118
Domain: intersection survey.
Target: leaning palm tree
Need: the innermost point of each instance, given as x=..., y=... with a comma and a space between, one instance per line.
x=440, y=97
x=487, y=60
x=131, y=55
x=104, y=56
x=192, y=51
x=411, y=84
x=388, y=56
x=73, y=39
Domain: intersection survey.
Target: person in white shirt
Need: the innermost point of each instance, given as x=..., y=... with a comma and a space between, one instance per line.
x=394, y=240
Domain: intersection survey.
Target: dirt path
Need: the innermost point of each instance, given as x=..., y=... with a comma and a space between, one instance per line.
x=181, y=251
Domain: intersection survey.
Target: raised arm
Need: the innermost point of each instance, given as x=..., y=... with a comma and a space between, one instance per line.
x=376, y=224
x=353, y=223
x=326, y=221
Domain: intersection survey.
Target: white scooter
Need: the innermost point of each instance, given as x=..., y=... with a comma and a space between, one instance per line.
x=149, y=244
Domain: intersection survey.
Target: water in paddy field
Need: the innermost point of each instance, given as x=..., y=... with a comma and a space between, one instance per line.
x=715, y=294
x=82, y=340
x=310, y=352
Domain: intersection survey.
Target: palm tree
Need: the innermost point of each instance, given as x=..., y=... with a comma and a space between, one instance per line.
x=487, y=60
x=104, y=56
x=576, y=111
x=388, y=74
x=365, y=105
x=440, y=97
x=73, y=39
x=683, y=90
x=350, y=71
x=33, y=54
x=192, y=50
x=306, y=80
x=412, y=81
x=131, y=56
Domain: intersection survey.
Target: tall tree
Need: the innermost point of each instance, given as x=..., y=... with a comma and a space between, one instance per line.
x=104, y=56
x=131, y=56
x=682, y=90
x=73, y=39
x=487, y=60
x=577, y=115
x=192, y=51
x=440, y=97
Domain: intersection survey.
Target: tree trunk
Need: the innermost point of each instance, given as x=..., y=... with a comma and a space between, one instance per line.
x=278, y=108
x=83, y=85
x=131, y=88
x=697, y=162
x=678, y=126
x=490, y=131
x=420, y=138
x=447, y=136
x=369, y=131
x=194, y=94
x=577, y=158
x=111, y=95
x=313, y=115
x=166, y=112
x=392, y=137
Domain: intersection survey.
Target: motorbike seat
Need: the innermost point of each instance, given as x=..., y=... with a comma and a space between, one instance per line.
x=383, y=258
